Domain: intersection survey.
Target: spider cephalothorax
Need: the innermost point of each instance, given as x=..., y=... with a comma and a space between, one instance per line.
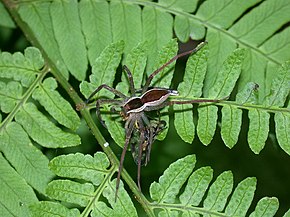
x=134, y=112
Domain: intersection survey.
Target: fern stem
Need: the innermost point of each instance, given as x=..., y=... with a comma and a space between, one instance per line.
x=25, y=97
x=98, y=193
x=182, y=208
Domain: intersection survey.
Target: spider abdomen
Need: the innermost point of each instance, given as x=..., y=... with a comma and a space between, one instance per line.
x=151, y=98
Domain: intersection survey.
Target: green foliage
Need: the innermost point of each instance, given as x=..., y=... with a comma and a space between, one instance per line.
x=246, y=59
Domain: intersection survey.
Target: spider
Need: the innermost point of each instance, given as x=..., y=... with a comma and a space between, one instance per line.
x=134, y=111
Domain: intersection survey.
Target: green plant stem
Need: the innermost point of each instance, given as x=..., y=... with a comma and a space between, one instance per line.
x=98, y=193
x=10, y=5
x=182, y=208
x=25, y=97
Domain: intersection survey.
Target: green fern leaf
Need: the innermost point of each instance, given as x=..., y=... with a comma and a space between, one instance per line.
x=280, y=87
x=95, y=170
x=42, y=28
x=10, y=94
x=57, y=106
x=18, y=194
x=267, y=206
x=190, y=87
x=5, y=19
x=223, y=13
x=248, y=94
x=219, y=192
x=19, y=67
x=287, y=213
x=136, y=63
x=207, y=118
x=215, y=202
x=182, y=28
x=231, y=125
x=183, y=122
x=42, y=130
x=103, y=72
x=70, y=191
x=194, y=74
x=241, y=198
x=81, y=166
x=183, y=5
x=96, y=26
x=278, y=46
x=52, y=209
x=156, y=24
x=220, y=47
x=27, y=160
x=122, y=207
x=171, y=181
x=262, y=22
x=254, y=29
x=163, y=79
x=226, y=79
x=258, y=129
x=65, y=18
x=104, y=69
x=282, y=125
x=126, y=23
x=196, y=186
x=221, y=87
x=185, y=28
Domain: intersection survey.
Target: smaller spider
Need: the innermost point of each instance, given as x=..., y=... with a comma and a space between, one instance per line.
x=134, y=111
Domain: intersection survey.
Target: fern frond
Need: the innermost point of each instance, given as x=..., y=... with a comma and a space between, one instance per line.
x=5, y=19
x=19, y=67
x=15, y=189
x=168, y=196
x=65, y=18
x=21, y=88
x=49, y=208
x=55, y=104
x=28, y=161
x=92, y=177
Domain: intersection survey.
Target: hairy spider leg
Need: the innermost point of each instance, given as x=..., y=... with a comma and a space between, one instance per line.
x=100, y=102
x=142, y=140
x=131, y=80
x=129, y=126
x=152, y=75
x=172, y=102
x=105, y=86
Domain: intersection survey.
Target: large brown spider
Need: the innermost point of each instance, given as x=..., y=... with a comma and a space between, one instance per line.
x=134, y=111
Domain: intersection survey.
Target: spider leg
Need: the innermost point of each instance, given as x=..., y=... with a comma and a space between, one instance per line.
x=152, y=75
x=100, y=102
x=150, y=142
x=129, y=126
x=131, y=80
x=142, y=140
x=172, y=102
x=113, y=90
